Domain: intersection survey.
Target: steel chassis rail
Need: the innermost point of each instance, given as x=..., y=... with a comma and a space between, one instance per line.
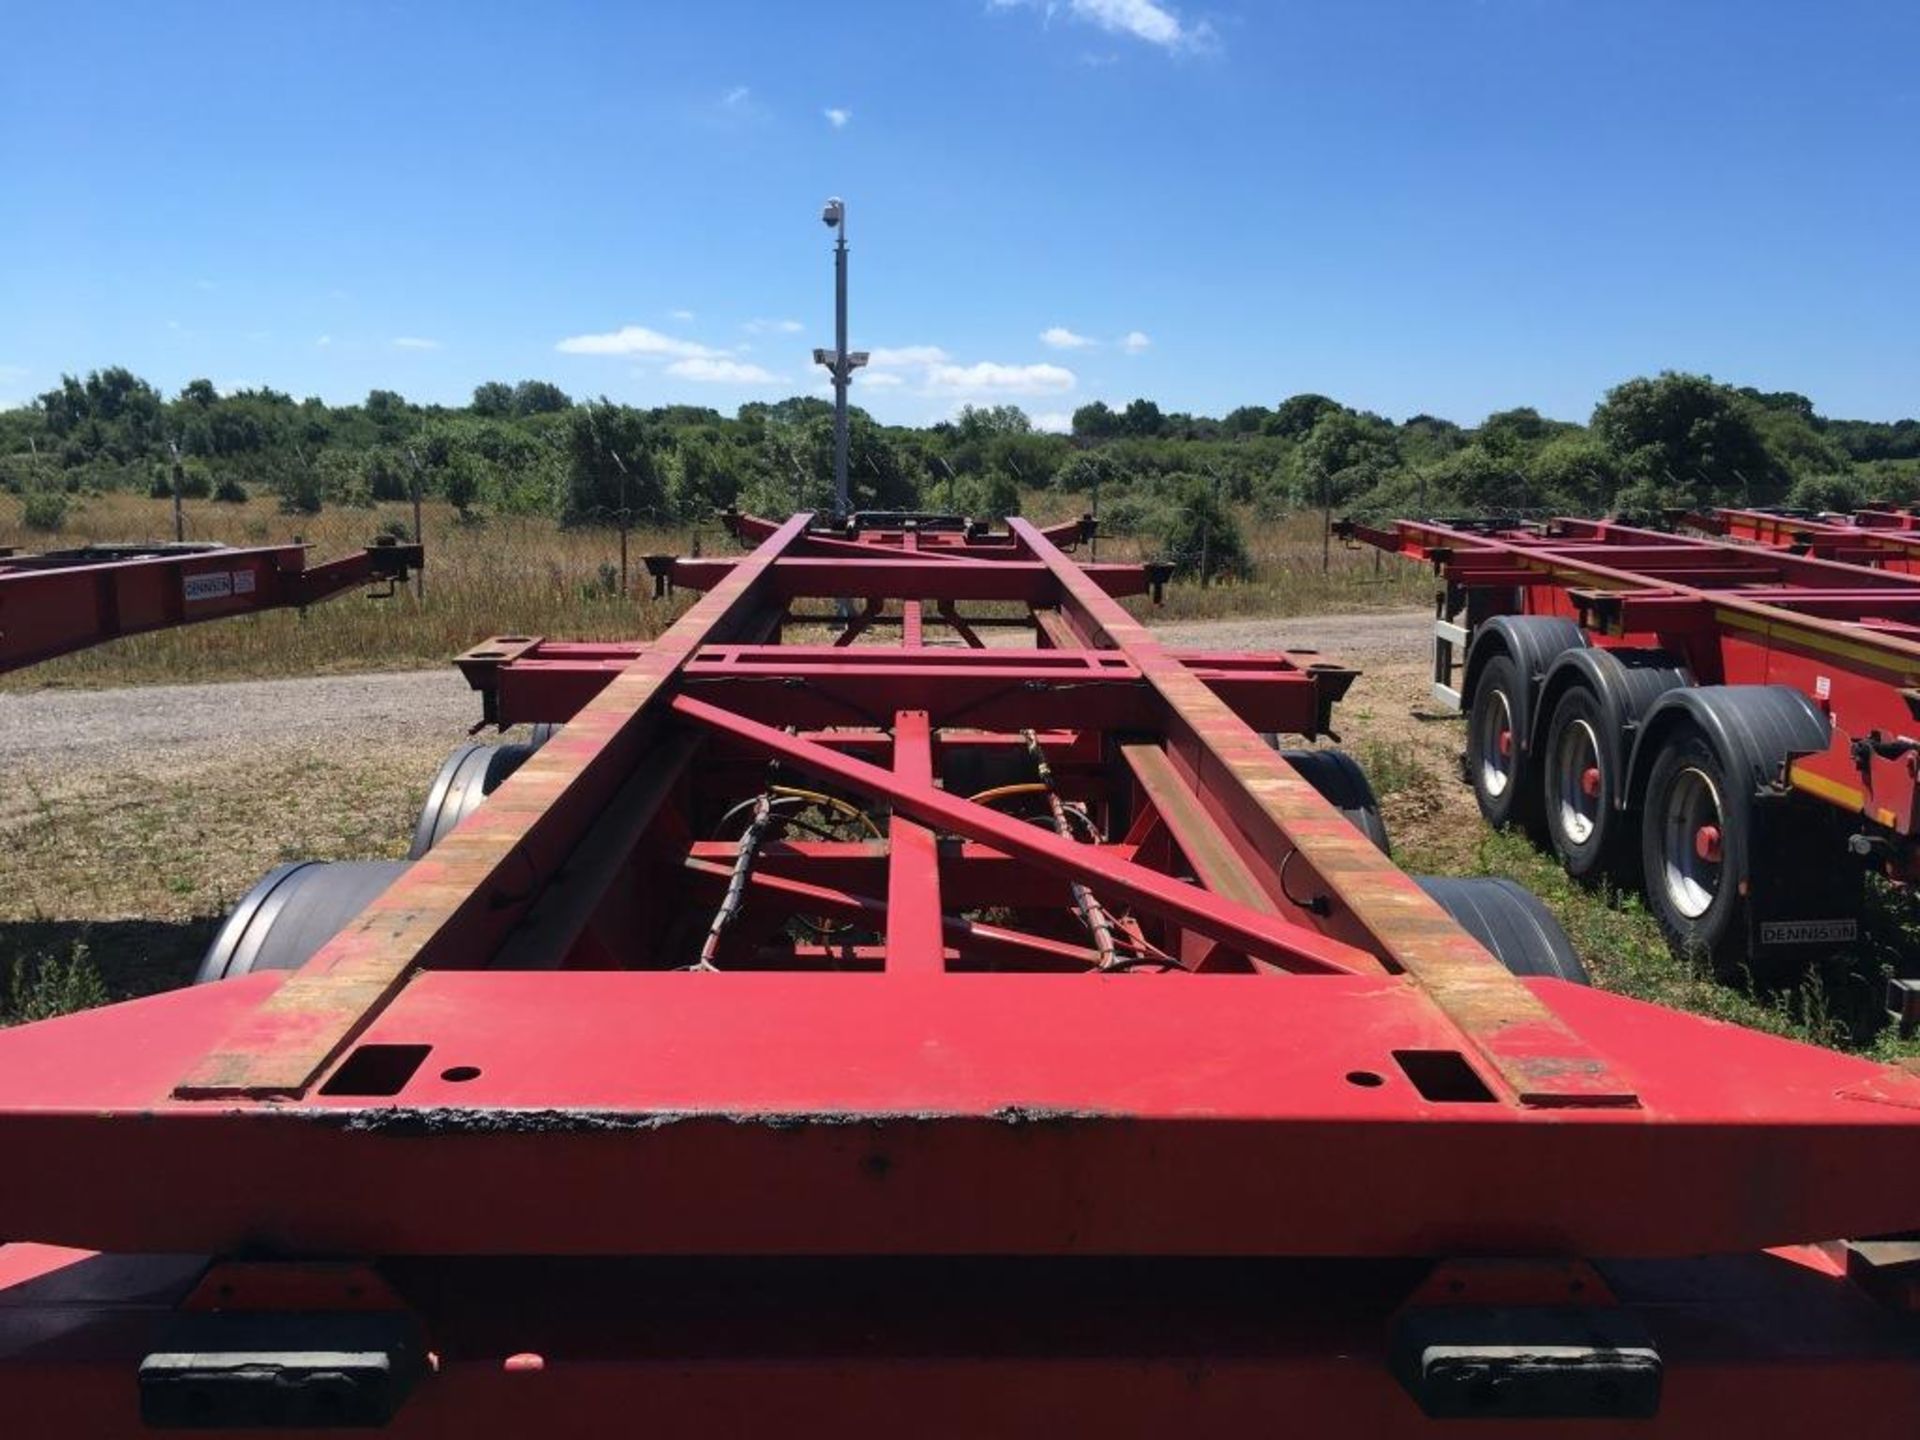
x=1888, y=540
x=790, y=1084
x=55, y=603
x=1845, y=633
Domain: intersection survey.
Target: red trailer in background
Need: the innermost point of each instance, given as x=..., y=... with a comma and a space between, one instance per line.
x=848, y=1027
x=1731, y=724
x=65, y=600
x=1885, y=539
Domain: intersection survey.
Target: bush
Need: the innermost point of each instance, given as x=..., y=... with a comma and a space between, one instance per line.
x=46, y=986
x=230, y=491
x=1201, y=536
x=1827, y=492
x=44, y=510
x=301, y=493
x=194, y=484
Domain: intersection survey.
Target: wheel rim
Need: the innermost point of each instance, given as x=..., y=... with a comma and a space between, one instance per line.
x=1691, y=828
x=1578, y=789
x=1493, y=746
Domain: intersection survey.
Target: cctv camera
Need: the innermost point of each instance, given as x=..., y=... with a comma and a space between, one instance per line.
x=833, y=212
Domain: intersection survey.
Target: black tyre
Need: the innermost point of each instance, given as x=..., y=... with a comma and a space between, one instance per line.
x=1580, y=788
x=1340, y=779
x=1695, y=847
x=544, y=731
x=291, y=913
x=471, y=773
x=1496, y=746
x=1510, y=921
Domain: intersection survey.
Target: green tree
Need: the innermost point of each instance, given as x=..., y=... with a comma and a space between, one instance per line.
x=1298, y=414
x=1684, y=438
x=539, y=397
x=493, y=398
x=1575, y=472
x=610, y=469
x=1142, y=418
x=1343, y=455
x=1096, y=421
x=1200, y=535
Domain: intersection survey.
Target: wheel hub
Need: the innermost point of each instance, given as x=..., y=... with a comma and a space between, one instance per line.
x=1706, y=843
x=1590, y=782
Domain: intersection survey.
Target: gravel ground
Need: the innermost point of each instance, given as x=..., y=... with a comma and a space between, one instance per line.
x=47, y=735
x=229, y=723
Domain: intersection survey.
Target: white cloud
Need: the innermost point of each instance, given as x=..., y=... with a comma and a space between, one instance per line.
x=837, y=117
x=737, y=97
x=414, y=342
x=1061, y=338
x=205, y=285
x=1145, y=20
x=989, y=378
x=635, y=340
x=877, y=379
x=323, y=342
x=885, y=358
x=683, y=316
x=709, y=369
x=1134, y=341
x=773, y=327
x=1053, y=422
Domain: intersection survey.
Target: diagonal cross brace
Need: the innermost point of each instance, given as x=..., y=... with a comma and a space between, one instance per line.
x=1266, y=936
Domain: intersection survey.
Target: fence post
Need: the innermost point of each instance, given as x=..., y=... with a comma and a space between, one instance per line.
x=419, y=571
x=179, y=511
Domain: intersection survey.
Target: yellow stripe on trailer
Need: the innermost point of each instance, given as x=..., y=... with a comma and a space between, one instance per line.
x=1827, y=789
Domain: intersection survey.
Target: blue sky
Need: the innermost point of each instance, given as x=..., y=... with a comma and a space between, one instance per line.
x=1413, y=205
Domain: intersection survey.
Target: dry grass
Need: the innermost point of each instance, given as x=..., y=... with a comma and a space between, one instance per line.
x=516, y=575
x=509, y=574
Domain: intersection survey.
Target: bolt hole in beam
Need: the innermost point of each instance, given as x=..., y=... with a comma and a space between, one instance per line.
x=1443, y=1076
x=1366, y=1079
x=459, y=1074
x=376, y=1070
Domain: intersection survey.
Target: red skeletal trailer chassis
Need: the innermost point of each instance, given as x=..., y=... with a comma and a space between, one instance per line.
x=1732, y=718
x=65, y=600
x=889, y=1028
x=1885, y=539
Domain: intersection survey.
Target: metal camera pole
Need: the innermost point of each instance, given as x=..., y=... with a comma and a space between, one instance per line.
x=840, y=362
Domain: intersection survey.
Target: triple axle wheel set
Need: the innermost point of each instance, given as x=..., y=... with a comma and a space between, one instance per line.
x=1635, y=776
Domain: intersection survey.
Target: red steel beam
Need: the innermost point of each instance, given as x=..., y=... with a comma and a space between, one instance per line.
x=914, y=940
x=1293, y=947
x=912, y=578
x=1373, y=903
x=54, y=604
x=454, y=906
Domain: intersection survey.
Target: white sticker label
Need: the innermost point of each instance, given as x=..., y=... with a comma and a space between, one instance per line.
x=1822, y=687
x=243, y=582
x=1808, y=932
x=216, y=586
